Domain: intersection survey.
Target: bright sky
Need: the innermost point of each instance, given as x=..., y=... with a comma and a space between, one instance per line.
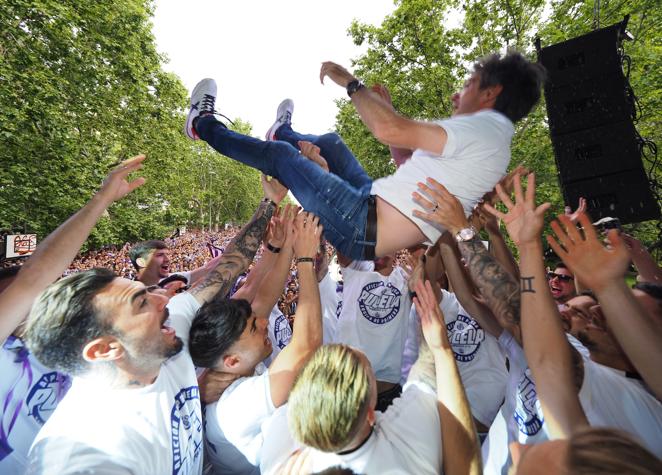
x=261, y=51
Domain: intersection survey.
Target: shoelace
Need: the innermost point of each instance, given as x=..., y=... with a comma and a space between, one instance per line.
x=208, y=106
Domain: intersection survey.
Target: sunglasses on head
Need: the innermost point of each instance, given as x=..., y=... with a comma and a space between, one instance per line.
x=561, y=277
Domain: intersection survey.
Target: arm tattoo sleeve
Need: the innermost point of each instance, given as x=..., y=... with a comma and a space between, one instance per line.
x=498, y=287
x=236, y=258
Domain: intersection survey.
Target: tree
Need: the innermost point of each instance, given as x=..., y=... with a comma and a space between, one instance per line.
x=82, y=87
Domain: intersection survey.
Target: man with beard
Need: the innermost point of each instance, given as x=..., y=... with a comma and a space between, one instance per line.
x=561, y=284
x=134, y=405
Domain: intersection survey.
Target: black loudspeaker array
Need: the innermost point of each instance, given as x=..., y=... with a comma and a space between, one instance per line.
x=590, y=113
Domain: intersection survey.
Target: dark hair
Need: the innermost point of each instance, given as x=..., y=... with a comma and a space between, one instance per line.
x=560, y=265
x=143, y=249
x=650, y=288
x=64, y=319
x=216, y=326
x=520, y=79
x=173, y=278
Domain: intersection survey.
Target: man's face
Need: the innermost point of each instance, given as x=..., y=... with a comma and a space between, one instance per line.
x=561, y=284
x=253, y=345
x=576, y=314
x=138, y=314
x=468, y=100
x=158, y=263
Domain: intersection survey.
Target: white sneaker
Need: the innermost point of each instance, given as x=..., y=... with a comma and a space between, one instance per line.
x=283, y=116
x=203, y=98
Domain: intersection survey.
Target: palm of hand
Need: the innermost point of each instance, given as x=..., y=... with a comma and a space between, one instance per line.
x=523, y=224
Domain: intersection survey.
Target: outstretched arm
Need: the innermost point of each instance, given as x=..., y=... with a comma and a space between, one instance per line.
x=499, y=289
x=56, y=252
x=307, y=332
x=648, y=269
x=386, y=125
x=461, y=451
x=398, y=154
x=274, y=281
x=547, y=350
x=498, y=247
x=603, y=270
x=273, y=249
x=237, y=257
x=463, y=288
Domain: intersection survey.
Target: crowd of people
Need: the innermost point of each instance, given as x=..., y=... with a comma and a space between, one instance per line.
x=436, y=353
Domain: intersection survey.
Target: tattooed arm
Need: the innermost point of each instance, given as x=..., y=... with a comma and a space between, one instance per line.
x=547, y=350
x=236, y=257
x=498, y=287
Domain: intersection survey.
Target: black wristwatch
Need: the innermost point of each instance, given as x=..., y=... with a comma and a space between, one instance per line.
x=354, y=86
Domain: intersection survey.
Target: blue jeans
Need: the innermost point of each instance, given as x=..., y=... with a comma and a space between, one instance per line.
x=339, y=198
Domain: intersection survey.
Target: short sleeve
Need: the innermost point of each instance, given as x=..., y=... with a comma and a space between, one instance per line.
x=242, y=410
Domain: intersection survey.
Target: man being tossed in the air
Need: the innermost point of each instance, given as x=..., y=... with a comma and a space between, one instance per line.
x=468, y=153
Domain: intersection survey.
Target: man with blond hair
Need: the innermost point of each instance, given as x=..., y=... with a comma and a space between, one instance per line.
x=331, y=417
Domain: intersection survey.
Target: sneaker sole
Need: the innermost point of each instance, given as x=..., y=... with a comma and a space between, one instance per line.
x=188, y=126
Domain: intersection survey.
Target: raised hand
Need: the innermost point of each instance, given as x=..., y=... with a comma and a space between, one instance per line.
x=312, y=151
x=432, y=320
x=446, y=210
x=336, y=73
x=580, y=209
x=523, y=220
x=593, y=263
x=116, y=185
x=273, y=189
x=308, y=234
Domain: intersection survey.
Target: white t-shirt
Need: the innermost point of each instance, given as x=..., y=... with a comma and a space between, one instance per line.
x=607, y=396
x=406, y=439
x=480, y=362
x=155, y=429
x=233, y=424
x=612, y=399
x=29, y=393
x=329, y=300
x=475, y=158
x=520, y=418
x=374, y=318
x=280, y=332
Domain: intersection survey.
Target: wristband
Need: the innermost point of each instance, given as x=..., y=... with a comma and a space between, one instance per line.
x=354, y=86
x=305, y=259
x=273, y=249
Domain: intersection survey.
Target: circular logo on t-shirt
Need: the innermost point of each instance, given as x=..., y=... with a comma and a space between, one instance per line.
x=465, y=336
x=527, y=410
x=282, y=331
x=379, y=303
x=186, y=427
